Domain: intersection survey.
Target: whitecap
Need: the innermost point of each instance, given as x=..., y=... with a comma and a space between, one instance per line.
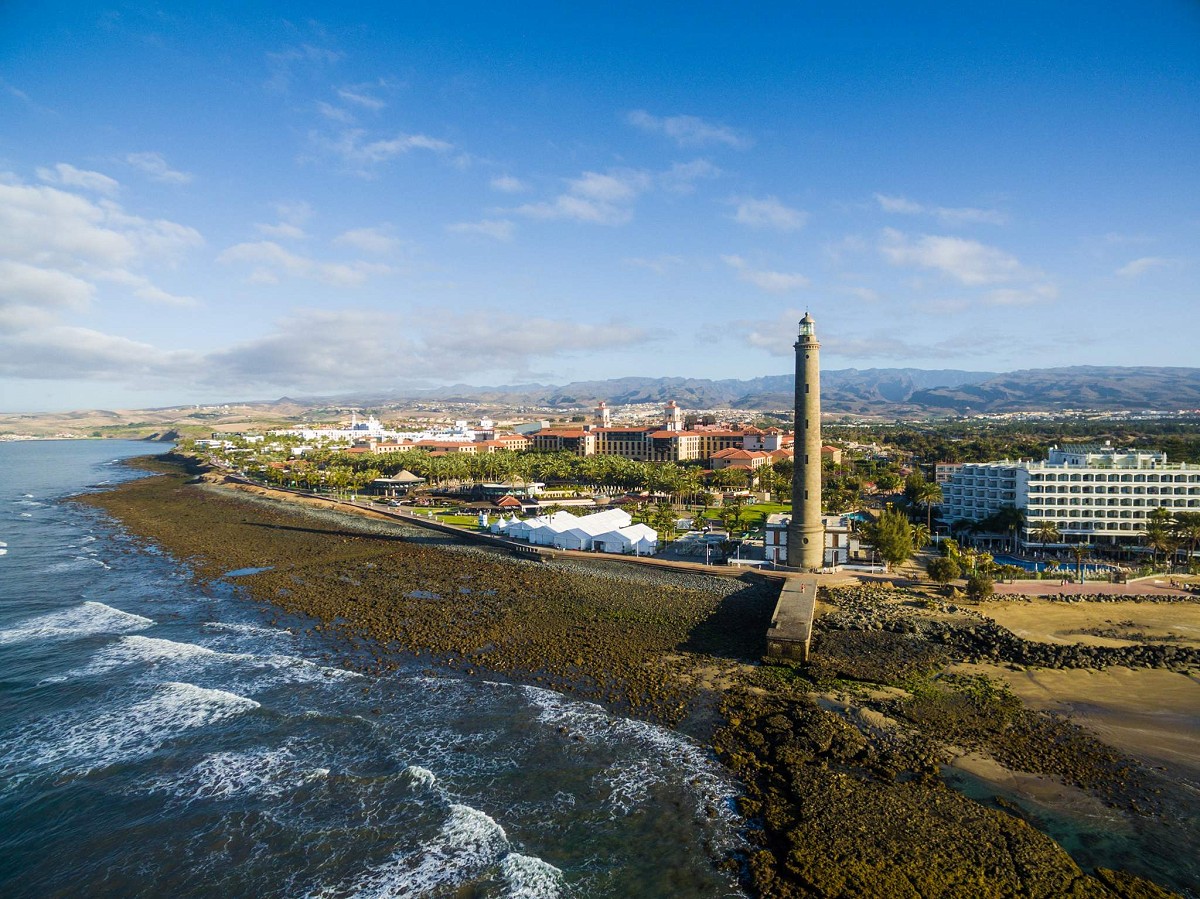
x=83, y=620
x=468, y=844
x=136, y=649
x=249, y=630
x=527, y=877
x=657, y=754
x=192, y=659
x=420, y=777
x=129, y=733
x=268, y=771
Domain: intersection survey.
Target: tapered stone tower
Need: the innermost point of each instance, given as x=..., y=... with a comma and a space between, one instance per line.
x=806, y=532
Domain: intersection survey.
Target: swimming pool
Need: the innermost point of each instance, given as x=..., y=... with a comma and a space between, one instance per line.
x=1066, y=567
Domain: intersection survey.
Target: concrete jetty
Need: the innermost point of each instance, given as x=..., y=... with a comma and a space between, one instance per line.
x=790, y=633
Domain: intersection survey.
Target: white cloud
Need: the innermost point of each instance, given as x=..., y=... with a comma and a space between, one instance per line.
x=777, y=336
x=282, y=230
x=360, y=97
x=660, y=265
x=292, y=217
x=898, y=204
x=949, y=215
x=594, y=197
x=507, y=184
x=143, y=288
x=687, y=130
x=967, y=261
x=22, y=284
x=497, y=229
x=335, y=113
x=681, y=177
x=313, y=350
x=64, y=352
x=451, y=340
x=768, y=212
x=69, y=176
x=611, y=188
x=154, y=165
x=1142, y=265
x=56, y=247
x=866, y=294
x=361, y=155
x=284, y=64
x=270, y=261
x=774, y=282
x=369, y=240
x=1030, y=295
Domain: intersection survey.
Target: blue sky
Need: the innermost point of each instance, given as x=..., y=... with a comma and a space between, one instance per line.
x=249, y=200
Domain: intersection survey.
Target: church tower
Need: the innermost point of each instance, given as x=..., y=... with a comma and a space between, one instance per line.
x=806, y=532
x=603, y=416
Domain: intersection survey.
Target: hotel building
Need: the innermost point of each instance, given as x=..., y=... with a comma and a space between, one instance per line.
x=1093, y=494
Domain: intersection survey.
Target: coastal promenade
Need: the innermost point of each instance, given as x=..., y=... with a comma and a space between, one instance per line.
x=503, y=544
x=1143, y=587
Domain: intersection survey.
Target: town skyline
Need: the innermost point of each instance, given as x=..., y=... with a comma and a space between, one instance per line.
x=222, y=204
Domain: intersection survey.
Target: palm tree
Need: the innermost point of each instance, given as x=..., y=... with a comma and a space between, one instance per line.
x=1046, y=531
x=920, y=536
x=1186, y=529
x=1009, y=519
x=1158, y=533
x=928, y=494
x=1080, y=552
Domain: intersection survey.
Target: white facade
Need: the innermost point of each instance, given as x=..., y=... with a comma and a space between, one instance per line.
x=1088, y=492
x=838, y=539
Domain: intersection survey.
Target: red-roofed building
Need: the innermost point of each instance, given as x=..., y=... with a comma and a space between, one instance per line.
x=750, y=460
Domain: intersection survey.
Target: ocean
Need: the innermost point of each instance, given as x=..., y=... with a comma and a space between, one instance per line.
x=160, y=736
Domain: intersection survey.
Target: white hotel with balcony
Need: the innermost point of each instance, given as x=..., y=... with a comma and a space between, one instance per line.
x=1093, y=494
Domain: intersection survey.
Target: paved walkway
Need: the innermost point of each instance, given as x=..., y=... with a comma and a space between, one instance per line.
x=1148, y=587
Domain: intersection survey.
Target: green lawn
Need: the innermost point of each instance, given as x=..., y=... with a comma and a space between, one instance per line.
x=462, y=521
x=755, y=515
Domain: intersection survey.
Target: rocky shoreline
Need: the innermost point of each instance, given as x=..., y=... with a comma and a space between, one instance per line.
x=837, y=804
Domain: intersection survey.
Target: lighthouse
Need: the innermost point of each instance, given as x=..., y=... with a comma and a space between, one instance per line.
x=806, y=531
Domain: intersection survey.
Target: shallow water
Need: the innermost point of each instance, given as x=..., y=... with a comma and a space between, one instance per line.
x=159, y=737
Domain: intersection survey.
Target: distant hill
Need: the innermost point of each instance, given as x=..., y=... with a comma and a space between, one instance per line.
x=877, y=391
x=1079, y=387
x=849, y=389
x=883, y=392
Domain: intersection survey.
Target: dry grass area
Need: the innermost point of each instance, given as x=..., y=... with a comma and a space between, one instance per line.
x=1098, y=624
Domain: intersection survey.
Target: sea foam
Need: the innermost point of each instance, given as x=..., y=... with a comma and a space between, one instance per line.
x=629, y=781
x=79, y=744
x=84, y=620
x=193, y=660
x=468, y=844
x=526, y=877
x=268, y=771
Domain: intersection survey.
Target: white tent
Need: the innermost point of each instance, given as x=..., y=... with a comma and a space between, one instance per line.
x=575, y=538
x=543, y=530
x=501, y=526
x=638, y=538
x=610, y=518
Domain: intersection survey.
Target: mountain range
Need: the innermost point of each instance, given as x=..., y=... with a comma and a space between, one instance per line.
x=875, y=391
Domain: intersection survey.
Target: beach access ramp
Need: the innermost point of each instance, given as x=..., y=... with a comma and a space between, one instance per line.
x=790, y=633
